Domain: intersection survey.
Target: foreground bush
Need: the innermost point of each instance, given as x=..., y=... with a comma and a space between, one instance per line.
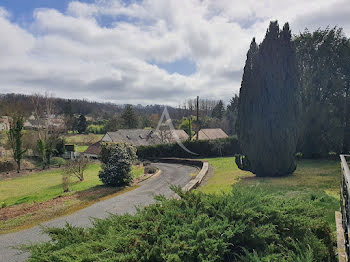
x=246, y=225
x=204, y=148
x=150, y=169
x=117, y=159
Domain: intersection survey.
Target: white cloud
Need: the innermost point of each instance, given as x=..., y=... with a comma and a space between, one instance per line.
x=74, y=54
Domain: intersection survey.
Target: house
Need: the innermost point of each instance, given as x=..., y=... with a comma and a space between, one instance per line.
x=70, y=152
x=93, y=151
x=135, y=137
x=210, y=134
x=4, y=123
x=170, y=136
x=36, y=124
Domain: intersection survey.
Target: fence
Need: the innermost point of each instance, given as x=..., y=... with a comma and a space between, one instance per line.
x=345, y=200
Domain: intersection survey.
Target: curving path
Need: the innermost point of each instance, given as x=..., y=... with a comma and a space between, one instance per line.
x=172, y=174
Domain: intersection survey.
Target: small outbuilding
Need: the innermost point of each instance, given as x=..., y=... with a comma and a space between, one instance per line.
x=93, y=151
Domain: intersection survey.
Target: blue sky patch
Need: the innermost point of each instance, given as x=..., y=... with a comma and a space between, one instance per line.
x=182, y=66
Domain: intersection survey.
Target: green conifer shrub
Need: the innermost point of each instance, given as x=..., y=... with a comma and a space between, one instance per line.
x=249, y=224
x=117, y=160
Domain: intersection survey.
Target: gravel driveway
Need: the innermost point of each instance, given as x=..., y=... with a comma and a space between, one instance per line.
x=172, y=174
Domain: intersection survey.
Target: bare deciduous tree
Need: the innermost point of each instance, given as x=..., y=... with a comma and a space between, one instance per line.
x=165, y=134
x=76, y=167
x=43, y=109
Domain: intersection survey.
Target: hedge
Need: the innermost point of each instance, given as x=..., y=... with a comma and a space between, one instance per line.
x=247, y=225
x=203, y=148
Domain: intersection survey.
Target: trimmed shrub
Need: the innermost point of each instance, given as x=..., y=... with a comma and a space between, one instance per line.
x=247, y=225
x=204, y=148
x=150, y=169
x=146, y=163
x=117, y=159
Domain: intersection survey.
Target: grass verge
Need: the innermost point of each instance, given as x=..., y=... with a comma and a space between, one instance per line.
x=316, y=181
x=39, y=197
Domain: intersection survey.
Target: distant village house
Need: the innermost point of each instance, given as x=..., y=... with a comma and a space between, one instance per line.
x=137, y=137
x=210, y=134
x=4, y=123
x=53, y=122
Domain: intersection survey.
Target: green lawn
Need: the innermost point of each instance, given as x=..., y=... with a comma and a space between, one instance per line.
x=314, y=180
x=82, y=139
x=47, y=185
x=137, y=171
x=80, y=149
x=226, y=174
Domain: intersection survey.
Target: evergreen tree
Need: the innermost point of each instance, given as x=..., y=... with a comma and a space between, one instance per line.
x=15, y=139
x=219, y=110
x=129, y=117
x=269, y=106
x=323, y=59
x=82, y=125
x=146, y=121
x=117, y=160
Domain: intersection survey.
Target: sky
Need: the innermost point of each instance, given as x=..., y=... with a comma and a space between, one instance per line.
x=143, y=52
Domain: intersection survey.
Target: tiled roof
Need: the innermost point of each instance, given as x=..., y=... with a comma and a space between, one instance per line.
x=94, y=149
x=144, y=137
x=170, y=135
x=211, y=133
x=136, y=137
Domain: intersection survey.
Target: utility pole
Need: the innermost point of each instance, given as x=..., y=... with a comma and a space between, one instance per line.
x=189, y=128
x=197, y=117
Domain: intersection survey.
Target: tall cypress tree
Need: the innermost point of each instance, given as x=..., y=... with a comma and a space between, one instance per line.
x=15, y=138
x=82, y=125
x=269, y=106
